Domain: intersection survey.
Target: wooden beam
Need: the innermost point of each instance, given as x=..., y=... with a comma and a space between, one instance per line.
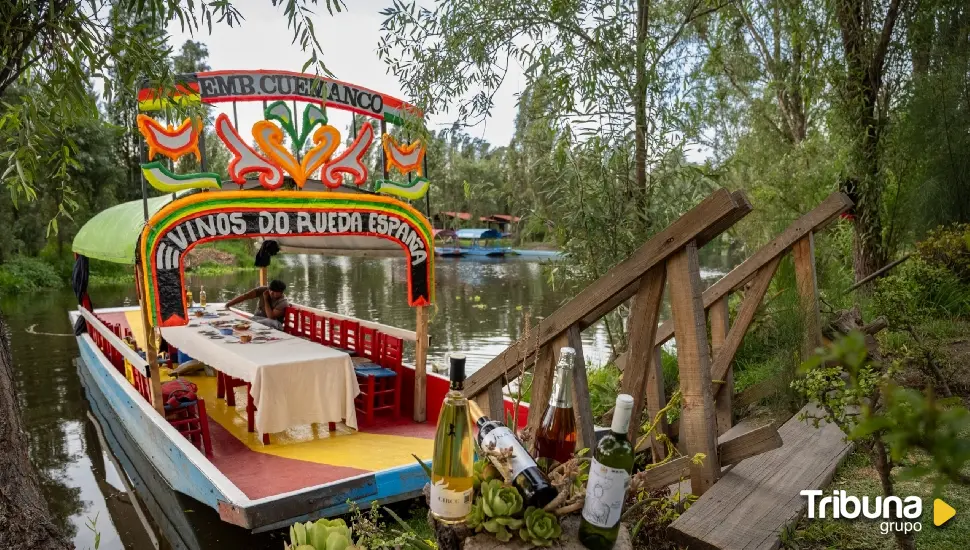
x=743, y=209
x=644, y=314
x=542, y=377
x=491, y=401
x=582, y=407
x=709, y=213
x=821, y=216
x=752, y=300
x=805, y=279
x=752, y=443
x=420, y=366
x=657, y=400
x=262, y=276
x=720, y=318
x=694, y=362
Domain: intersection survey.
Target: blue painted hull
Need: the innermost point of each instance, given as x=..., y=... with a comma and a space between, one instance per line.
x=184, y=469
x=481, y=251
x=448, y=251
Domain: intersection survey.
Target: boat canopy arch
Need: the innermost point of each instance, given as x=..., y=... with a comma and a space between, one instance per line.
x=445, y=234
x=112, y=234
x=320, y=217
x=478, y=234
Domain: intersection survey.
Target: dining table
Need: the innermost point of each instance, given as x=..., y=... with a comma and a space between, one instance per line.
x=294, y=381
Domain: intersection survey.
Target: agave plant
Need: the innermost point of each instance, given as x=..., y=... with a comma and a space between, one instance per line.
x=541, y=527
x=323, y=534
x=500, y=502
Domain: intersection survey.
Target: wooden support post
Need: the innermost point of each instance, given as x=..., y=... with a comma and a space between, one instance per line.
x=803, y=253
x=542, y=376
x=420, y=366
x=752, y=300
x=151, y=350
x=582, y=408
x=697, y=419
x=657, y=400
x=720, y=317
x=262, y=276
x=644, y=314
x=492, y=402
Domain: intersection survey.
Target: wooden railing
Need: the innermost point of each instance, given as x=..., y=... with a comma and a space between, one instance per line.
x=113, y=344
x=669, y=257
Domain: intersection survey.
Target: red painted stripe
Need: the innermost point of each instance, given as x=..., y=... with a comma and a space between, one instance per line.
x=261, y=475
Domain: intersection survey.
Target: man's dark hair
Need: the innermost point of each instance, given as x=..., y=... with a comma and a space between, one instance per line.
x=277, y=285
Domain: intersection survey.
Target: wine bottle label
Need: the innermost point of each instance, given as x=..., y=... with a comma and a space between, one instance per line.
x=605, y=492
x=450, y=504
x=503, y=438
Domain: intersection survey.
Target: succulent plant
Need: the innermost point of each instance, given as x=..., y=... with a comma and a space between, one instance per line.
x=324, y=534
x=541, y=527
x=476, y=517
x=499, y=499
x=500, y=502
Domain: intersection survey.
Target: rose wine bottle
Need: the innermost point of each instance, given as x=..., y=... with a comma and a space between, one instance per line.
x=556, y=437
x=609, y=479
x=521, y=470
x=453, y=465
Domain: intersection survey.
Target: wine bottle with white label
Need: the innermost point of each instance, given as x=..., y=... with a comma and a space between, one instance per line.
x=521, y=470
x=609, y=479
x=453, y=465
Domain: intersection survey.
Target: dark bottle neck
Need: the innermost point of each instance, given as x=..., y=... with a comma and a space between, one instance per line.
x=457, y=385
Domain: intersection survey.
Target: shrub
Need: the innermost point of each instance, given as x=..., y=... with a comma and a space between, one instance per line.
x=920, y=290
x=948, y=247
x=23, y=274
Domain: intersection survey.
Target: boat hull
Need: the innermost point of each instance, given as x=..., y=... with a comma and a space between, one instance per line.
x=490, y=252
x=448, y=252
x=186, y=470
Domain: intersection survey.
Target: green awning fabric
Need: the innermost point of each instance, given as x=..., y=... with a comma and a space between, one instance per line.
x=112, y=234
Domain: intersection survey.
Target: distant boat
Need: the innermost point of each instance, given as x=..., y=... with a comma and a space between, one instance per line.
x=448, y=240
x=537, y=253
x=478, y=235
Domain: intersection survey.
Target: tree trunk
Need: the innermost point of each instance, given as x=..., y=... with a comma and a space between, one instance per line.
x=905, y=541
x=25, y=520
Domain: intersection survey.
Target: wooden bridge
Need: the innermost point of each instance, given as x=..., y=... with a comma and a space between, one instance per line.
x=704, y=360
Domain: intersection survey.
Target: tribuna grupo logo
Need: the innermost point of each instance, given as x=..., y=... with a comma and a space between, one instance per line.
x=897, y=513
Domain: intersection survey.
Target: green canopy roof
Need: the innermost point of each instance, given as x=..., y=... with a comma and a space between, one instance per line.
x=113, y=233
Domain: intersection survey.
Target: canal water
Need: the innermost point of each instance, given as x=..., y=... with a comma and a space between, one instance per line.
x=481, y=306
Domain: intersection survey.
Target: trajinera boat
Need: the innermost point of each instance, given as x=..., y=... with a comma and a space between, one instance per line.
x=281, y=425
x=446, y=244
x=477, y=248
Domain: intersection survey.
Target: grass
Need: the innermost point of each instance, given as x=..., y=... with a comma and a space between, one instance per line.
x=857, y=477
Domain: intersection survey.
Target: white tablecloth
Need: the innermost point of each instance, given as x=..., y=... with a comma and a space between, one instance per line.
x=294, y=381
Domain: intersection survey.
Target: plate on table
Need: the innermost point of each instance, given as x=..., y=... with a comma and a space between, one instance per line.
x=216, y=337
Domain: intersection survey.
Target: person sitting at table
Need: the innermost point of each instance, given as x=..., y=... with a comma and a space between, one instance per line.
x=271, y=306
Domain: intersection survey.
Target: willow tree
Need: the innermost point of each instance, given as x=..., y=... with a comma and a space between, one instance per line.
x=613, y=67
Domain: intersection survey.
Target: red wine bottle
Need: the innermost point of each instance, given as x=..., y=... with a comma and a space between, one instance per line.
x=522, y=470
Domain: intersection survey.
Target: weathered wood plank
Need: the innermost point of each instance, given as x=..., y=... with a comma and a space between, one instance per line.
x=720, y=319
x=420, y=366
x=542, y=378
x=750, y=305
x=644, y=315
x=749, y=444
x=750, y=506
x=582, y=407
x=656, y=401
x=694, y=362
x=821, y=216
x=491, y=401
x=805, y=279
x=709, y=213
x=743, y=209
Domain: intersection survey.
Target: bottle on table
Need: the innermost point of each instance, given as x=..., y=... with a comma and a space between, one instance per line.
x=609, y=479
x=188, y=296
x=556, y=436
x=453, y=466
x=202, y=296
x=522, y=470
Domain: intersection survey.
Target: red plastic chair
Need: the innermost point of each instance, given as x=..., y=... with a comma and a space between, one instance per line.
x=191, y=420
x=351, y=336
x=368, y=345
x=306, y=319
x=290, y=321
x=327, y=335
x=393, y=353
x=336, y=333
x=317, y=329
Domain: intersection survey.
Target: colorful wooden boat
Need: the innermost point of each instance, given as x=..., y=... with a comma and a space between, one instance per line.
x=261, y=481
x=476, y=236
x=449, y=247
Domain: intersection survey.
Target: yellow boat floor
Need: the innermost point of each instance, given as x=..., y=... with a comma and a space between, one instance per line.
x=299, y=457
